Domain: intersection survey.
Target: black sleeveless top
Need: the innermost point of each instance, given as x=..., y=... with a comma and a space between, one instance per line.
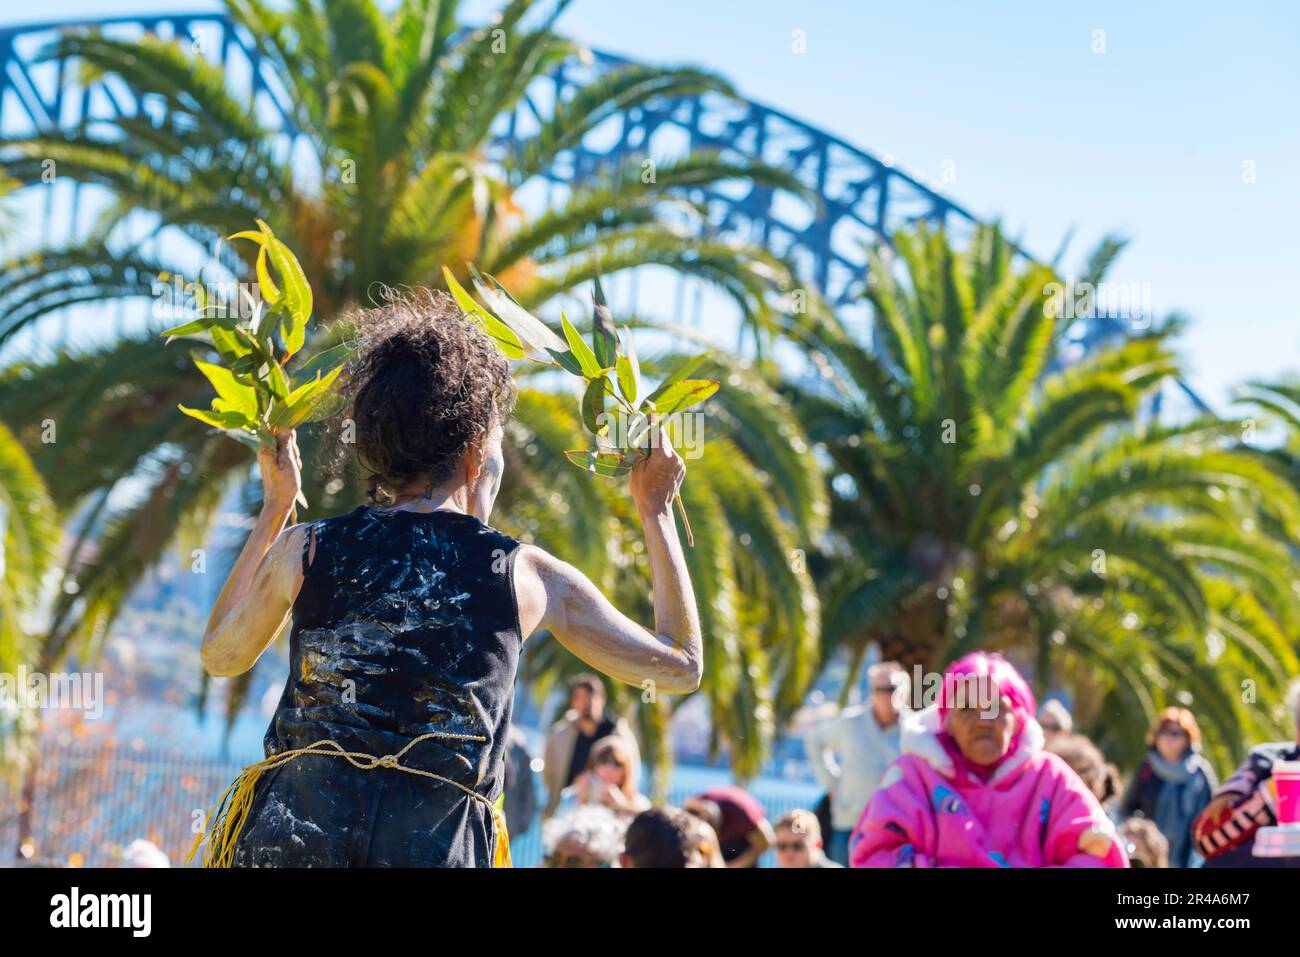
x=405, y=624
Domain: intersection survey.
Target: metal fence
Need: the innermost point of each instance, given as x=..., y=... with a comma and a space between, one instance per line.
x=91, y=800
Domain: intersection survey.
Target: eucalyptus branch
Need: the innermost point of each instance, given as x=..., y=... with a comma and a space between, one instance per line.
x=608, y=366
x=256, y=398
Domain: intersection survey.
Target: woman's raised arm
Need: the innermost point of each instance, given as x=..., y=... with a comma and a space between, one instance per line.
x=258, y=595
x=555, y=596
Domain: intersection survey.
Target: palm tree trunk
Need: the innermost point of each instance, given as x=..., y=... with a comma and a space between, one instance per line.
x=916, y=635
x=855, y=668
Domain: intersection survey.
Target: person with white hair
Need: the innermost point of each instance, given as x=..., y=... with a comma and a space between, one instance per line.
x=851, y=751
x=1054, y=719
x=589, y=836
x=142, y=853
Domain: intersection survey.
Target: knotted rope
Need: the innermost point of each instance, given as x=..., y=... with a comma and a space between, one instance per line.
x=231, y=811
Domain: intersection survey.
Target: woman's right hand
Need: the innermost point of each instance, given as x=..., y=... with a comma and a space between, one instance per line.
x=657, y=477
x=281, y=472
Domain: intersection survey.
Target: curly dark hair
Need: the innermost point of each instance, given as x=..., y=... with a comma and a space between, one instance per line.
x=423, y=383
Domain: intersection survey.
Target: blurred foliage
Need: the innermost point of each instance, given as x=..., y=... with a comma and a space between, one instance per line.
x=388, y=181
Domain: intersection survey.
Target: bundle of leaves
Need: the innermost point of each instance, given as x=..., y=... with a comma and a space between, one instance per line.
x=257, y=397
x=613, y=393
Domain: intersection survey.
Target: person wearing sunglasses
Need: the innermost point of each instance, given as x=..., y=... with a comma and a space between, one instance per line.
x=1173, y=784
x=607, y=780
x=850, y=752
x=1055, y=720
x=799, y=841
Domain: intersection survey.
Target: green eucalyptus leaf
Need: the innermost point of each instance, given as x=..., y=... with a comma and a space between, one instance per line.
x=322, y=408
x=219, y=420
x=264, y=327
x=604, y=337
x=326, y=361
x=275, y=378
x=629, y=371
x=189, y=328
x=270, y=291
x=684, y=394
x=234, y=396
x=608, y=464
x=304, y=402
x=593, y=405
x=296, y=290
x=528, y=327
x=567, y=360
x=581, y=351
x=245, y=367
x=682, y=372
x=500, y=333
x=228, y=344
x=629, y=379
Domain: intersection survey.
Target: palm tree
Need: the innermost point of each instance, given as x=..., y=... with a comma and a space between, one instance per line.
x=983, y=495
x=389, y=180
x=28, y=536
x=1273, y=404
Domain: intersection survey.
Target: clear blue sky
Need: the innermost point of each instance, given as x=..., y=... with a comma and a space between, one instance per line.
x=1147, y=139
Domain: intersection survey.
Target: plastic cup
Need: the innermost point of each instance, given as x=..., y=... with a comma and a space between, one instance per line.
x=1286, y=777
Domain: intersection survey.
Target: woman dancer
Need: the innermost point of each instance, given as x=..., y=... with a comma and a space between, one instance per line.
x=408, y=615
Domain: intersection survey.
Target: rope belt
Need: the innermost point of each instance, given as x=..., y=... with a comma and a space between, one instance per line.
x=231, y=811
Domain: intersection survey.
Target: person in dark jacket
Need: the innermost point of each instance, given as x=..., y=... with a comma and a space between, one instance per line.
x=1173, y=784
x=520, y=804
x=1226, y=830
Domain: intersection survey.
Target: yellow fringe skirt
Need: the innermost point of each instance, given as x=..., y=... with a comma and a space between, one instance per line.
x=231, y=811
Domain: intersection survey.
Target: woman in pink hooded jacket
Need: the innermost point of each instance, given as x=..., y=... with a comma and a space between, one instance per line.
x=974, y=787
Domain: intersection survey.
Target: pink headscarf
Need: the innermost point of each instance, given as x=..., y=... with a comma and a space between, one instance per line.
x=994, y=674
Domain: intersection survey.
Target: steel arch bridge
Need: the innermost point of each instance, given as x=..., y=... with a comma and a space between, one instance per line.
x=860, y=197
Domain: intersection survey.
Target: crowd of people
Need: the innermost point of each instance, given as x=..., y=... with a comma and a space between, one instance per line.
x=980, y=777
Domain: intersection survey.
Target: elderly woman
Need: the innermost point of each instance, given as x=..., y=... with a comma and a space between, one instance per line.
x=974, y=787
x=409, y=614
x=1173, y=784
x=591, y=835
